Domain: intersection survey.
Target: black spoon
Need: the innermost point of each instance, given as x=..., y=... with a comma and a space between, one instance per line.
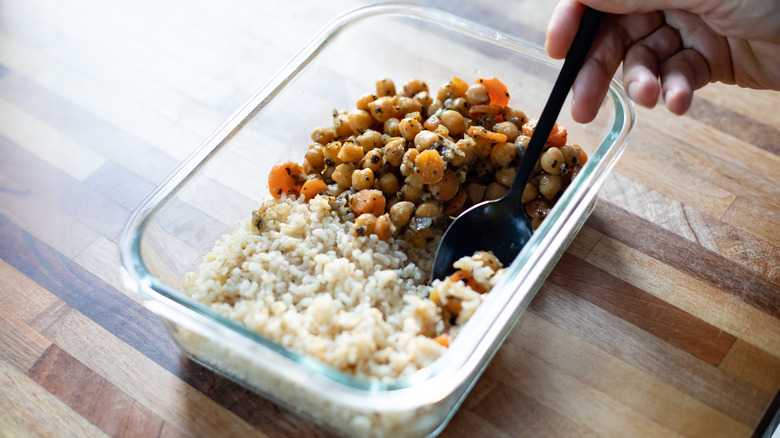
x=502, y=225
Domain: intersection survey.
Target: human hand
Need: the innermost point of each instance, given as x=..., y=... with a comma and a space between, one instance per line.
x=670, y=48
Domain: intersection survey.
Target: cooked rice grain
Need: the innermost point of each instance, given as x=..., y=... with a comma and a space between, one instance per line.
x=356, y=303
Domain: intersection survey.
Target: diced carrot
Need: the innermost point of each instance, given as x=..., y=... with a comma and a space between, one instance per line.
x=468, y=279
x=384, y=227
x=313, y=187
x=368, y=201
x=583, y=157
x=444, y=340
x=557, y=136
x=284, y=178
x=497, y=91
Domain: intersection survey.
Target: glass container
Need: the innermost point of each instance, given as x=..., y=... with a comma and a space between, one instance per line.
x=225, y=179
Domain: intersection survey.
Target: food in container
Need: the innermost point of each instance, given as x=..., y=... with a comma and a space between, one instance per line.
x=227, y=176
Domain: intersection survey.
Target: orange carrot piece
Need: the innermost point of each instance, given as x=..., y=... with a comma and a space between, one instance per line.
x=284, y=178
x=468, y=279
x=444, y=340
x=312, y=188
x=497, y=91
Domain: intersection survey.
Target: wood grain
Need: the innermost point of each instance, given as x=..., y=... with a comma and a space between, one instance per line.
x=662, y=318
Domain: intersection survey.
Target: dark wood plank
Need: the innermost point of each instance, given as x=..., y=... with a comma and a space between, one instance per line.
x=88, y=294
x=642, y=309
x=88, y=394
x=650, y=354
x=744, y=128
x=681, y=254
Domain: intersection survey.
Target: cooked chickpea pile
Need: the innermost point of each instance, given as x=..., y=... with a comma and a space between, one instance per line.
x=409, y=159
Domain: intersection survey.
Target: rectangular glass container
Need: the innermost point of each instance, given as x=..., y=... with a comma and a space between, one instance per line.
x=225, y=179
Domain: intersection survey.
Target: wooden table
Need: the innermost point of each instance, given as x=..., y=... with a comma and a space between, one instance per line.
x=662, y=319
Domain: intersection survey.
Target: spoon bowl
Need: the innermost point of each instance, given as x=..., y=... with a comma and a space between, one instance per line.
x=502, y=226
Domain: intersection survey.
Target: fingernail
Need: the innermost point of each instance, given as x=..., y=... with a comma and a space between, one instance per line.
x=633, y=89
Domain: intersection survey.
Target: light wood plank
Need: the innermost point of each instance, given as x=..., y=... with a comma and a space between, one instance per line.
x=47, y=142
x=670, y=407
x=755, y=104
x=730, y=241
x=102, y=259
x=26, y=409
x=143, y=380
x=20, y=345
x=693, y=296
x=641, y=163
x=753, y=365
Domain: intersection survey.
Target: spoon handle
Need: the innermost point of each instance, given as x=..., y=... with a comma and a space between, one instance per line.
x=589, y=26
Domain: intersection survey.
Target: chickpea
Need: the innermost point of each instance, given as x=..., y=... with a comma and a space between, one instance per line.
x=409, y=128
x=391, y=127
x=359, y=121
x=382, y=109
x=424, y=98
x=362, y=179
x=394, y=152
x=467, y=153
x=477, y=94
x=434, y=107
x=571, y=155
x=550, y=185
x=315, y=158
x=364, y=100
x=502, y=154
x=330, y=153
x=453, y=89
x=522, y=142
x=323, y=136
x=408, y=162
x=509, y=129
x=506, y=175
x=475, y=192
x=414, y=181
x=410, y=193
x=425, y=140
x=515, y=116
x=373, y=160
x=364, y=225
x=429, y=167
x=529, y=193
x=414, y=87
x=408, y=105
x=454, y=205
x=342, y=175
x=454, y=122
x=495, y=190
x=431, y=209
x=369, y=140
x=422, y=237
x=388, y=184
x=552, y=160
x=341, y=125
x=385, y=87
x=459, y=105
x=483, y=170
x=350, y=153
x=400, y=213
